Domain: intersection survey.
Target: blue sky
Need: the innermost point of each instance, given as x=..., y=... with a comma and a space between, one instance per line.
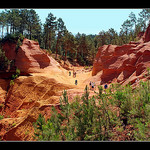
x=89, y=21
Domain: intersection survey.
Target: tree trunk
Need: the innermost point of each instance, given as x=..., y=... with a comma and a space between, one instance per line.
x=30, y=33
x=46, y=40
x=57, y=48
x=77, y=56
x=2, y=30
x=7, y=29
x=66, y=55
x=50, y=39
x=13, y=30
x=45, y=43
x=10, y=29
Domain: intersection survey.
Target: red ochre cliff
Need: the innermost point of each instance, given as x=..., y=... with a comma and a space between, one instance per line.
x=123, y=64
x=29, y=58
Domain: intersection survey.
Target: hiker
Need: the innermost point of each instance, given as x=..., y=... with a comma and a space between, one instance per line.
x=69, y=73
x=90, y=85
x=75, y=74
x=105, y=86
x=76, y=82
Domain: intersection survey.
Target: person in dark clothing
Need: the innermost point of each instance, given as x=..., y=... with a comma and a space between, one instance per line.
x=76, y=82
x=75, y=74
x=90, y=85
x=105, y=86
x=69, y=73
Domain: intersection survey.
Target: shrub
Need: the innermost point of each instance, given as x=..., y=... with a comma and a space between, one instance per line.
x=4, y=62
x=77, y=121
x=11, y=82
x=1, y=117
x=95, y=118
x=14, y=76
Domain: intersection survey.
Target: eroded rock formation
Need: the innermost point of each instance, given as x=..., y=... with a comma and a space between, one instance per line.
x=124, y=63
x=29, y=57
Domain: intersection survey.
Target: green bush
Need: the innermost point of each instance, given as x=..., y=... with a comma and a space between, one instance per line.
x=77, y=121
x=1, y=117
x=14, y=76
x=4, y=62
x=94, y=119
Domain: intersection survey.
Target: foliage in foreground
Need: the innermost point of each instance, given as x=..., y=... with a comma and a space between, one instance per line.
x=96, y=118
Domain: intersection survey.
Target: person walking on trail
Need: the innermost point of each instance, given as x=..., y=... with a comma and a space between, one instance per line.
x=69, y=73
x=90, y=85
x=76, y=82
x=105, y=87
x=75, y=74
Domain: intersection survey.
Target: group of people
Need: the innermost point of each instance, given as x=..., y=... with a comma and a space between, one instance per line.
x=74, y=75
x=92, y=86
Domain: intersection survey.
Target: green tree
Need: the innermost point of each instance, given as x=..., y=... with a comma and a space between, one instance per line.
x=102, y=37
x=144, y=17
x=126, y=29
x=112, y=36
x=60, y=33
x=133, y=19
x=15, y=19
x=50, y=27
x=68, y=43
x=33, y=23
x=2, y=22
x=91, y=50
x=23, y=22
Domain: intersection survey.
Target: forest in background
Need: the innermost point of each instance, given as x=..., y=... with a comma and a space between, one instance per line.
x=55, y=38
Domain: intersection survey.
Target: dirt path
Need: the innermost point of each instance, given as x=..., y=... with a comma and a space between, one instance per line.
x=63, y=76
x=81, y=76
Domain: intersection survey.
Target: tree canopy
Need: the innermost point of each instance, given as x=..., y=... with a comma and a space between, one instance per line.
x=54, y=36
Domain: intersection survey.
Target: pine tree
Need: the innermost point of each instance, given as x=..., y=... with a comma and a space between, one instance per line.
x=68, y=43
x=50, y=25
x=2, y=21
x=14, y=20
x=33, y=23
x=144, y=17
x=133, y=19
x=60, y=33
x=23, y=22
x=126, y=29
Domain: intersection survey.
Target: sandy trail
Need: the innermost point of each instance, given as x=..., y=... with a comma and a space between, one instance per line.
x=63, y=76
x=81, y=76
